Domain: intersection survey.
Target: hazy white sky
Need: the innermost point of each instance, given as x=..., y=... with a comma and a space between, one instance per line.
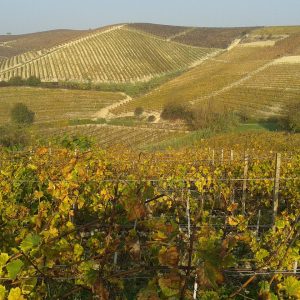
x=22, y=16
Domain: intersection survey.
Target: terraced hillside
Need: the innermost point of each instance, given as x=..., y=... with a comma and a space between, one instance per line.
x=260, y=79
x=117, y=54
x=56, y=105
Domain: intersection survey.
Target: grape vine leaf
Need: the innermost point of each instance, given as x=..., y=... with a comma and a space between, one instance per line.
x=169, y=257
x=291, y=286
x=31, y=241
x=13, y=268
x=170, y=284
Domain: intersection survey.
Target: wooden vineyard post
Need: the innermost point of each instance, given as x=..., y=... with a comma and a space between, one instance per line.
x=245, y=178
x=276, y=186
x=258, y=222
x=213, y=157
x=295, y=267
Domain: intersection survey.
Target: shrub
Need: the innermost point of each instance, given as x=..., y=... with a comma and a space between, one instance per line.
x=20, y=114
x=175, y=112
x=138, y=111
x=13, y=137
x=213, y=116
x=292, y=120
x=16, y=81
x=33, y=81
x=151, y=119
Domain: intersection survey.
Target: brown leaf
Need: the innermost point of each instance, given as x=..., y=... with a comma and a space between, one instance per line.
x=169, y=256
x=100, y=291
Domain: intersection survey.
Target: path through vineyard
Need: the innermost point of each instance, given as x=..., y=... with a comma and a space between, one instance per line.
x=105, y=113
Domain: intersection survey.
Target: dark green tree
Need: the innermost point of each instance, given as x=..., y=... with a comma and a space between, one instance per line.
x=16, y=81
x=33, y=81
x=21, y=114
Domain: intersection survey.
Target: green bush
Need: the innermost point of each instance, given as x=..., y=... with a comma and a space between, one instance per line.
x=33, y=81
x=292, y=120
x=16, y=81
x=20, y=114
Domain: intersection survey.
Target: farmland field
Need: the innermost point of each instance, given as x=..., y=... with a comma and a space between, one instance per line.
x=229, y=75
x=11, y=45
x=200, y=37
x=56, y=104
x=168, y=167
x=122, y=210
x=105, y=56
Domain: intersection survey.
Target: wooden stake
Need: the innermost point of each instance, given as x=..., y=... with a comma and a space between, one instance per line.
x=188, y=215
x=295, y=267
x=258, y=222
x=195, y=288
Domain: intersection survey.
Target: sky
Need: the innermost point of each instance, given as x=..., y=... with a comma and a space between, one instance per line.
x=24, y=16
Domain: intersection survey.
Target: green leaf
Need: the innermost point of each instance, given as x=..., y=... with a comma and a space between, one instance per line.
x=2, y=292
x=13, y=268
x=31, y=241
x=261, y=254
x=292, y=287
x=264, y=286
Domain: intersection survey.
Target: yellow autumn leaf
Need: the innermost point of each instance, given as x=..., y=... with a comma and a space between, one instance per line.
x=232, y=221
x=15, y=294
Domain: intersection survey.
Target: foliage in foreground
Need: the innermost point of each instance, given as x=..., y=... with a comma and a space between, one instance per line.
x=116, y=227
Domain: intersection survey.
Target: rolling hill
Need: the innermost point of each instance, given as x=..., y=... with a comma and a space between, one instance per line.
x=12, y=45
x=259, y=75
x=195, y=36
x=115, y=54
x=252, y=70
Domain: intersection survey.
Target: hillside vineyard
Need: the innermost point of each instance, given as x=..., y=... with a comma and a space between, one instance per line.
x=117, y=54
